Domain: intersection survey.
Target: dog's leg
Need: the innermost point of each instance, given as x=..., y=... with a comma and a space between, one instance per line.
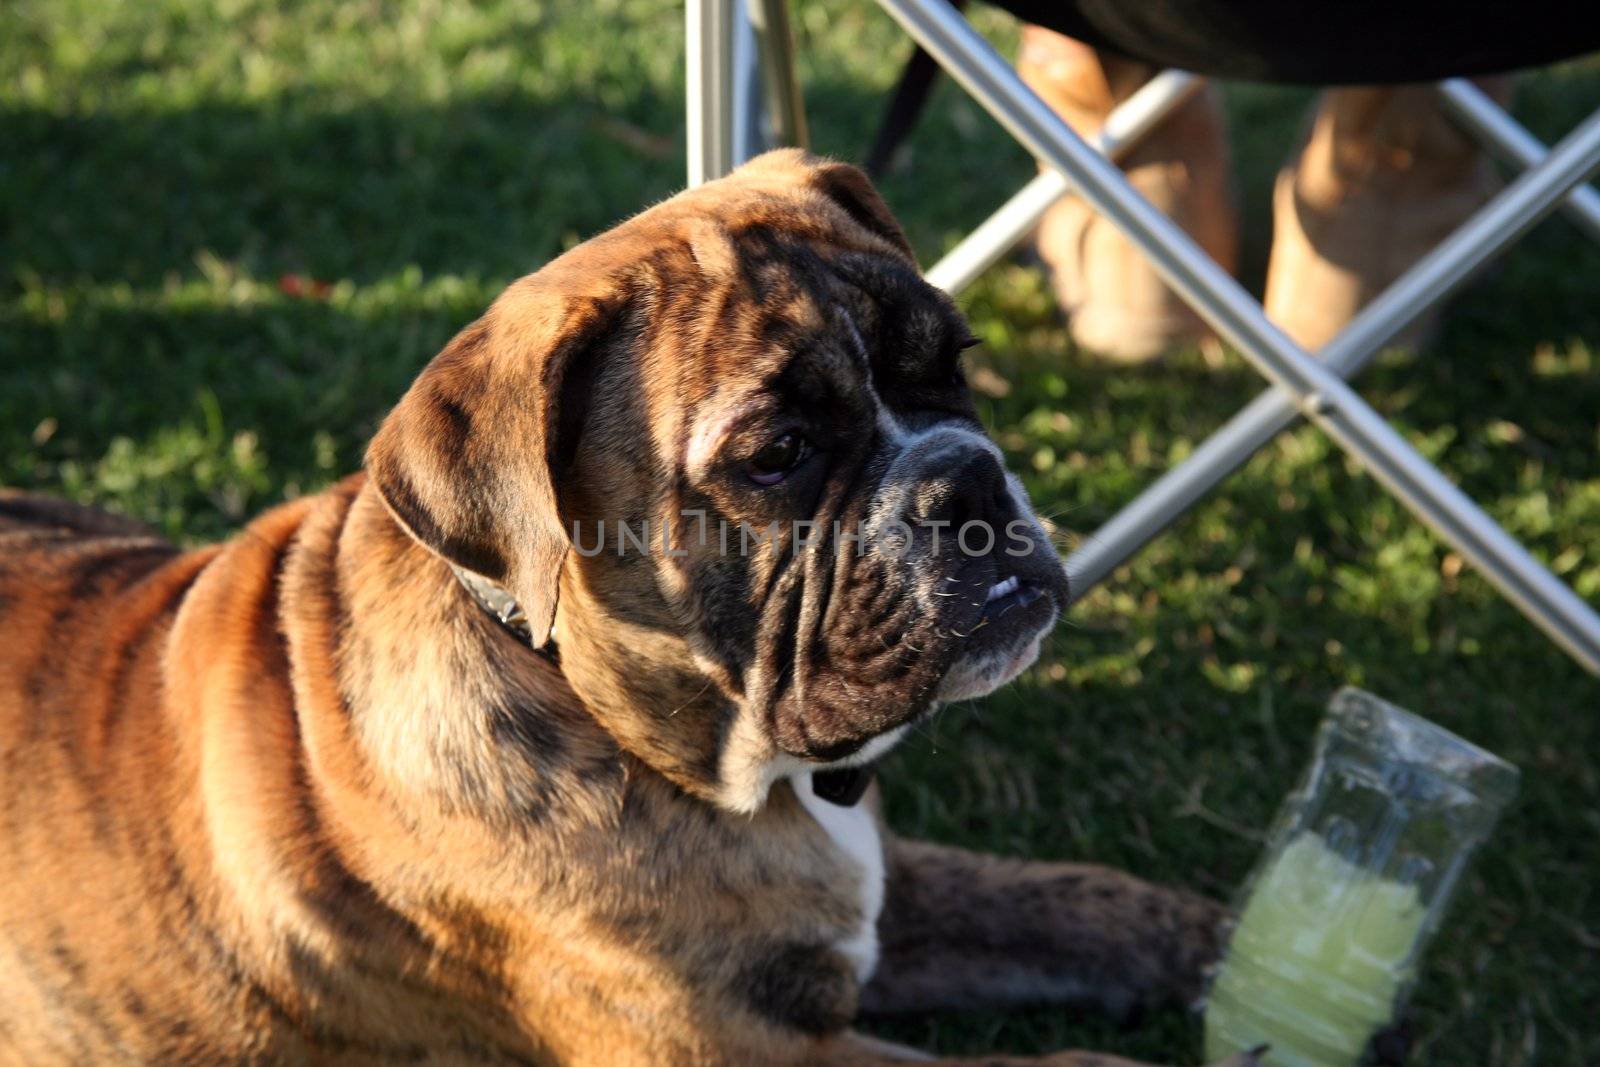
x=964, y=930
x=860, y=1050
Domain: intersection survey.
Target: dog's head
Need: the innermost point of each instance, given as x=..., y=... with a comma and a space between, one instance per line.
x=725, y=455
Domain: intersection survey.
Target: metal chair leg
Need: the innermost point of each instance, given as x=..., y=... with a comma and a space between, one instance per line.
x=1471, y=107
x=775, y=46
x=1000, y=233
x=709, y=78
x=1321, y=394
x=1431, y=279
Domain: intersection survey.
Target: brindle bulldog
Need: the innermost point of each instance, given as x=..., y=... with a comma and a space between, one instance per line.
x=443, y=765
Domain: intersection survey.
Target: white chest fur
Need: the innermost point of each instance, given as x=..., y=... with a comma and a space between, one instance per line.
x=855, y=833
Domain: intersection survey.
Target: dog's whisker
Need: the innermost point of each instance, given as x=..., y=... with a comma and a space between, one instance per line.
x=703, y=690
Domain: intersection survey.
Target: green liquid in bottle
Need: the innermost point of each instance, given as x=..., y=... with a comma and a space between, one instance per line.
x=1319, y=954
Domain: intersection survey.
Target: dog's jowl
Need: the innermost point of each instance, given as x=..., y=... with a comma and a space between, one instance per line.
x=550, y=738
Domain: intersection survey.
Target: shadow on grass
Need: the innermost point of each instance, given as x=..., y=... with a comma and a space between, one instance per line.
x=481, y=187
x=478, y=187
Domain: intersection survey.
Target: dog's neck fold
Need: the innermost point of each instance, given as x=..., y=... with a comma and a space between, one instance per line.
x=842, y=786
x=464, y=661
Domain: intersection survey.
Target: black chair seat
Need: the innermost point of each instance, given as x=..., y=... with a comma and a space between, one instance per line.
x=1327, y=42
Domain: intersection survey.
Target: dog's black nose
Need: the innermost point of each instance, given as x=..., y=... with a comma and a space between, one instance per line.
x=959, y=486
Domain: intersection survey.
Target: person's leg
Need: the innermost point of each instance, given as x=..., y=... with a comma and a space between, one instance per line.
x=1382, y=176
x=1111, y=295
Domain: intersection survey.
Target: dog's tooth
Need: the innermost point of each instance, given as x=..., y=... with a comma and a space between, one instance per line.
x=1001, y=588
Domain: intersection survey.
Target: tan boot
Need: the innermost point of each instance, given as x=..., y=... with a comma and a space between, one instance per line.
x=1382, y=176
x=1114, y=301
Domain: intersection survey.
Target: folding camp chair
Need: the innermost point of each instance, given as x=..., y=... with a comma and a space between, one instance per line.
x=723, y=128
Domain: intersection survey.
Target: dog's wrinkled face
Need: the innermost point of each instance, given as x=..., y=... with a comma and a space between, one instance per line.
x=786, y=533
x=900, y=563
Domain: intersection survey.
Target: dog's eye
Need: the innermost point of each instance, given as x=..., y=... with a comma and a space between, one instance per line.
x=776, y=459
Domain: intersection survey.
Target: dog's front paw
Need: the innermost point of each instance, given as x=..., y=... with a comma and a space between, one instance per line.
x=1172, y=944
x=1199, y=935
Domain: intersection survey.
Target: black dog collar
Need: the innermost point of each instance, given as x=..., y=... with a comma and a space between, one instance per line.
x=500, y=606
x=845, y=786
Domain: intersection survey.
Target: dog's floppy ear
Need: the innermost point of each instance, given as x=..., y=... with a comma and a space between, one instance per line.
x=466, y=460
x=852, y=190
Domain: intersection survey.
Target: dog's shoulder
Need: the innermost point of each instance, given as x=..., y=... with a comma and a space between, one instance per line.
x=57, y=557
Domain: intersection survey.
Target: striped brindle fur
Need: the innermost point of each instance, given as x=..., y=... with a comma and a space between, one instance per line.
x=297, y=798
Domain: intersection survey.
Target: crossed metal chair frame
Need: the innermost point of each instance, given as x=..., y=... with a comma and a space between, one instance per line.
x=741, y=63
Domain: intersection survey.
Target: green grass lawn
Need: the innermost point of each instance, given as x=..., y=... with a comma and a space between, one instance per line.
x=164, y=162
